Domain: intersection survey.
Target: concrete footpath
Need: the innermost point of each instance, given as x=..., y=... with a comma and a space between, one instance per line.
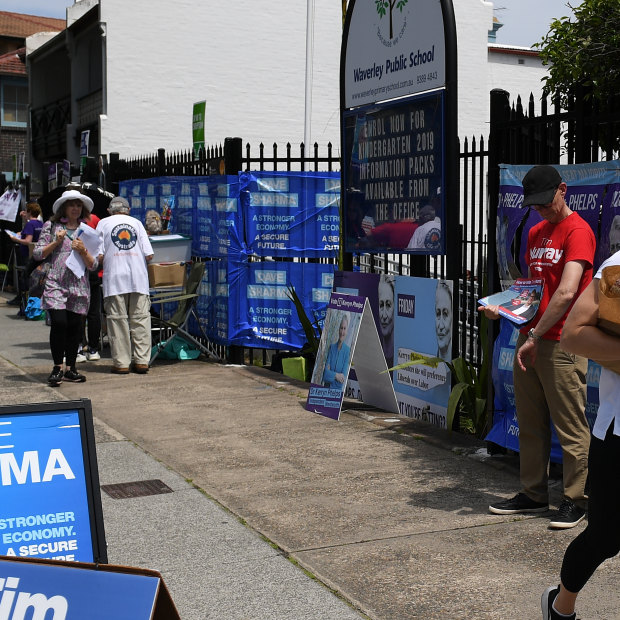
x=279, y=513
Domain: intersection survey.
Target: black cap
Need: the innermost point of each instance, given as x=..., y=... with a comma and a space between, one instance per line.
x=540, y=185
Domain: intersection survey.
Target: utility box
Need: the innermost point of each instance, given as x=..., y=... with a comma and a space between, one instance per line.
x=171, y=248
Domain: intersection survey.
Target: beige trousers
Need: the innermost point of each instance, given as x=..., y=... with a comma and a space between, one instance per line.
x=128, y=319
x=555, y=388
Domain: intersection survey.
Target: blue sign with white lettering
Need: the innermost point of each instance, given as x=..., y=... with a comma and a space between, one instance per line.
x=290, y=214
x=47, y=480
x=71, y=593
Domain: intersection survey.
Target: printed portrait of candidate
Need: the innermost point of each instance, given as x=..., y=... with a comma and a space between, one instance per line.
x=385, y=293
x=443, y=320
x=338, y=356
x=614, y=235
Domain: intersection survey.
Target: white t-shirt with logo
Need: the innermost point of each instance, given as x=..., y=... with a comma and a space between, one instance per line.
x=125, y=248
x=427, y=236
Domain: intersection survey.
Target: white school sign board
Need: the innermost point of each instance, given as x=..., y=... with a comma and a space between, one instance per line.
x=349, y=337
x=393, y=49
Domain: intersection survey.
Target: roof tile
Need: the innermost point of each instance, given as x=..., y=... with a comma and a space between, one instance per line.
x=20, y=25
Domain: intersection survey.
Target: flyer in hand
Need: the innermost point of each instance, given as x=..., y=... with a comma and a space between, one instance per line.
x=520, y=302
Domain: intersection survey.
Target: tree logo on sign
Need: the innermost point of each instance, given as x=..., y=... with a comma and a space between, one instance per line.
x=384, y=5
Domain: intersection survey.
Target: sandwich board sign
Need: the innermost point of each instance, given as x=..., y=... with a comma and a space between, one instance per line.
x=75, y=591
x=51, y=502
x=349, y=337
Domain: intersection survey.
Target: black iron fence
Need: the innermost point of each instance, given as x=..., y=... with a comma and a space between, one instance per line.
x=229, y=158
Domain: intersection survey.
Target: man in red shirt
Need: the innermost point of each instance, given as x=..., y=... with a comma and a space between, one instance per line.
x=549, y=383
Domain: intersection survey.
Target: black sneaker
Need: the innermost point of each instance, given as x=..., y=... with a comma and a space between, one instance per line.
x=74, y=376
x=16, y=301
x=55, y=377
x=518, y=504
x=568, y=515
x=546, y=604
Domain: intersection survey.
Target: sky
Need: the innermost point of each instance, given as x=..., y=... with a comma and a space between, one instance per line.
x=525, y=21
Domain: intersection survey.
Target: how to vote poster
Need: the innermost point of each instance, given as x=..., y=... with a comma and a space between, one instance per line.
x=46, y=503
x=394, y=177
x=333, y=359
x=423, y=325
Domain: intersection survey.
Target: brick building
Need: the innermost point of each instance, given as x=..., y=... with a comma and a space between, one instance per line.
x=14, y=28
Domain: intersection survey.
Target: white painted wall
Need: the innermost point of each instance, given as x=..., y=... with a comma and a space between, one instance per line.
x=247, y=59
x=519, y=74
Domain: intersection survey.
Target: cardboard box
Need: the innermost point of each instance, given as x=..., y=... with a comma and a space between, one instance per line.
x=167, y=274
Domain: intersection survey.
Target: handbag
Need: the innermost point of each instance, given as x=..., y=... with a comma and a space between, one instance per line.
x=36, y=282
x=33, y=309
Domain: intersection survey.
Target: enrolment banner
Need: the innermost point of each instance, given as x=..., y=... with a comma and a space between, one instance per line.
x=394, y=177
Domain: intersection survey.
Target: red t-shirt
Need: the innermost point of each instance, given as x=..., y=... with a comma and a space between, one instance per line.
x=549, y=248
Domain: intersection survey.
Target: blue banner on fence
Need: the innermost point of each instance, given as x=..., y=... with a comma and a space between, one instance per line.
x=142, y=195
x=251, y=307
x=218, y=222
x=290, y=214
x=505, y=430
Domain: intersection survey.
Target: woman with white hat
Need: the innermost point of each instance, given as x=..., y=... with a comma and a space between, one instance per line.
x=65, y=297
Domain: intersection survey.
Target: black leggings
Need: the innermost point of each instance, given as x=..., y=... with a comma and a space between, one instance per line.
x=65, y=335
x=601, y=538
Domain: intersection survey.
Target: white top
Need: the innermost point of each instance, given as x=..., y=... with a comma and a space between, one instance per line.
x=125, y=248
x=426, y=236
x=609, y=384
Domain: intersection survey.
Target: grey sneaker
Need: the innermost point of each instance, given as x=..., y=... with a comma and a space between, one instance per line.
x=519, y=504
x=80, y=358
x=546, y=604
x=568, y=516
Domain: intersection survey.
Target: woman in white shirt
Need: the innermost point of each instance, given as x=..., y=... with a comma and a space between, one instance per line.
x=601, y=538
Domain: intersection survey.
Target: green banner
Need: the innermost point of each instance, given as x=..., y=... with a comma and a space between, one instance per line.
x=198, y=126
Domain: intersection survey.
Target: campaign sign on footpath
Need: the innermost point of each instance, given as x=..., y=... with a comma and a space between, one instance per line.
x=51, y=503
x=41, y=589
x=349, y=336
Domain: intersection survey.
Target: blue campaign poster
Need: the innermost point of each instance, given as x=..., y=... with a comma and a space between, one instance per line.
x=393, y=170
x=218, y=222
x=75, y=593
x=142, y=195
x=271, y=320
x=47, y=481
x=505, y=429
x=289, y=214
x=333, y=359
x=423, y=324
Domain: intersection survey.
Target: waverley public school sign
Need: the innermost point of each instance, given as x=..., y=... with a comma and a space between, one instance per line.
x=398, y=102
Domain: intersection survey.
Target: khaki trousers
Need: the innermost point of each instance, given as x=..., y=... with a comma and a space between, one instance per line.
x=128, y=318
x=555, y=388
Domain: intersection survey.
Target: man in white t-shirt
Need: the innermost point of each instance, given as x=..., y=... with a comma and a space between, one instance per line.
x=126, y=251
x=427, y=235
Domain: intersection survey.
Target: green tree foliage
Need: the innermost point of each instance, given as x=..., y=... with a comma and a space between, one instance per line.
x=584, y=51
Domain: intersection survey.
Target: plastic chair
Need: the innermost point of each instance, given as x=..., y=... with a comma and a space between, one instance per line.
x=187, y=307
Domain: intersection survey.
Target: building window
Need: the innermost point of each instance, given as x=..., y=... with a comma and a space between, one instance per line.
x=14, y=104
